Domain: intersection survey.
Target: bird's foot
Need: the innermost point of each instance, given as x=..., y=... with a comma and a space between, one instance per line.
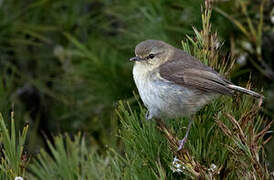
x=182, y=143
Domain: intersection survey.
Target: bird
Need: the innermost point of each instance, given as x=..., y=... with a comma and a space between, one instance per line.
x=172, y=83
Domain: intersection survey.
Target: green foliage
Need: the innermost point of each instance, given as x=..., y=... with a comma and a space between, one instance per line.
x=146, y=153
x=72, y=158
x=64, y=63
x=252, y=32
x=67, y=159
x=145, y=148
x=150, y=157
x=71, y=57
x=13, y=158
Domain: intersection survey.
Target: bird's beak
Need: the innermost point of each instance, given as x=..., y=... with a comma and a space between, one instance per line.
x=137, y=58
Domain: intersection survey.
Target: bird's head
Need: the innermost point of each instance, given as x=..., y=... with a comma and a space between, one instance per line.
x=152, y=52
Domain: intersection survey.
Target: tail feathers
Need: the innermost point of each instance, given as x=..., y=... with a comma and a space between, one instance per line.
x=246, y=91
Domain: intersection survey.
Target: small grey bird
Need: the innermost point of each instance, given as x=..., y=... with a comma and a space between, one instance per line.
x=172, y=83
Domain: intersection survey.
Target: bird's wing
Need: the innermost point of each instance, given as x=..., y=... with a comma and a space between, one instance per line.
x=187, y=71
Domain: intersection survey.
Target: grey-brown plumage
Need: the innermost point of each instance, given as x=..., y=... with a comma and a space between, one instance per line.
x=185, y=70
x=172, y=83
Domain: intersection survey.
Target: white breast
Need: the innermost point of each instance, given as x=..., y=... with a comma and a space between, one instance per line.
x=162, y=97
x=152, y=93
x=141, y=75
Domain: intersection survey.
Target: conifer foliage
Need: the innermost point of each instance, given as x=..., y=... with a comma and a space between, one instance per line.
x=226, y=141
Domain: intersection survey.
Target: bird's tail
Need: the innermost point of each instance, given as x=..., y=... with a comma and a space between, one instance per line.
x=246, y=91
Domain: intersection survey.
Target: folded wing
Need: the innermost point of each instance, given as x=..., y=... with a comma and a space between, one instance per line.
x=187, y=71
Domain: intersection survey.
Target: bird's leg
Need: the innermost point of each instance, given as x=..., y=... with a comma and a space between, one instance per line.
x=151, y=113
x=183, y=141
x=148, y=116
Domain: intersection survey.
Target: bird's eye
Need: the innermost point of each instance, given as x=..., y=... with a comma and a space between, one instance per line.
x=151, y=56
